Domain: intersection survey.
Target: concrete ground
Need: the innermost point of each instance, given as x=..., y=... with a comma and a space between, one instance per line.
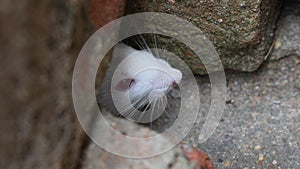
x=260, y=127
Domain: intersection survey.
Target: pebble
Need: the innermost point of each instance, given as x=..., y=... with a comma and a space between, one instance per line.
x=274, y=162
x=257, y=148
x=260, y=157
x=277, y=43
x=227, y=163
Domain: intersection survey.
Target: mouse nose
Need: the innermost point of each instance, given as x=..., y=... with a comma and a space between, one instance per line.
x=177, y=76
x=174, y=83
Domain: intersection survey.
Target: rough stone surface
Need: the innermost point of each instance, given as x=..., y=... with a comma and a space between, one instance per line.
x=40, y=41
x=287, y=35
x=242, y=31
x=95, y=157
x=103, y=11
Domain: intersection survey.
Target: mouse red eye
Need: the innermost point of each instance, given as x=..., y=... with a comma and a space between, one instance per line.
x=131, y=82
x=124, y=84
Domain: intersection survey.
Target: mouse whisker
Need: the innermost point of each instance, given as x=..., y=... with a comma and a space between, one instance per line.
x=168, y=105
x=144, y=41
x=142, y=103
x=154, y=103
x=155, y=46
x=141, y=116
x=127, y=112
x=143, y=112
x=166, y=111
x=152, y=113
x=130, y=111
x=139, y=44
x=163, y=55
x=168, y=115
x=164, y=101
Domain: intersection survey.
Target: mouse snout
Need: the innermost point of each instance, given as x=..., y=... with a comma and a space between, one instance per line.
x=178, y=76
x=174, y=83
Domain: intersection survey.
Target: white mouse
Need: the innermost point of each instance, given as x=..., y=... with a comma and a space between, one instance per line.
x=136, y=83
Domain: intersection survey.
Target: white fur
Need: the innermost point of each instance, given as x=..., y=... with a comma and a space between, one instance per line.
x=150, y=74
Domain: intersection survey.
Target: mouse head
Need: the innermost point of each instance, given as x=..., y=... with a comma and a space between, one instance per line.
x=143, y=73
x=142, y=80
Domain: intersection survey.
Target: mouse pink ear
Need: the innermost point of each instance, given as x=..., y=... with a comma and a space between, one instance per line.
x=124, y=84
